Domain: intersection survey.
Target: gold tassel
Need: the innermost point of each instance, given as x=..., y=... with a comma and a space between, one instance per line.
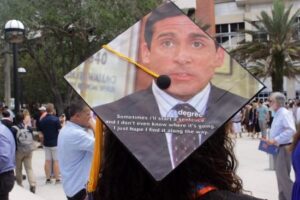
x=96, y=164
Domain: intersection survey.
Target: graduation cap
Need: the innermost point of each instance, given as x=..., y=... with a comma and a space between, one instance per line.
x=163, y=87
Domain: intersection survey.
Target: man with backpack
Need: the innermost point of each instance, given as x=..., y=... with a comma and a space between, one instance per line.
x=25, y=147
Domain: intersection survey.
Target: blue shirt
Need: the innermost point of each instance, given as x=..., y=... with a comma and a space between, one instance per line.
x=75, y=152
x=7, y=149
x=50, y=126
x=283, y=126
x=263, y=112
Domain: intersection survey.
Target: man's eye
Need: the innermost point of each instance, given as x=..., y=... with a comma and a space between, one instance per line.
x=197, y=44
x=168, y=43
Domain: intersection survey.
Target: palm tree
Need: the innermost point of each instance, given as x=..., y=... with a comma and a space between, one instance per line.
x=277, y=55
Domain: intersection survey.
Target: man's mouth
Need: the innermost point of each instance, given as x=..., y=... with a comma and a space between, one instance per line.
x=181, y=76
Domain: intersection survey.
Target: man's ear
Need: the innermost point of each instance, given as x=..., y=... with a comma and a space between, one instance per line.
x=145, y=53
x=76, y=116
x=220, y=55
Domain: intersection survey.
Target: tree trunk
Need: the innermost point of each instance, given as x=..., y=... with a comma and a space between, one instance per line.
x=58, y=101
x=277, y=82
x=277, y=74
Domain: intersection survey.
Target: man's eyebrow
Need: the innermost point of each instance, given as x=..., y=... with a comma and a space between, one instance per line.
x=167, y=34
x=199, y=35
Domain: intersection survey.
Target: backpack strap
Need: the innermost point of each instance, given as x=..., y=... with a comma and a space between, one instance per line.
x=16, y=127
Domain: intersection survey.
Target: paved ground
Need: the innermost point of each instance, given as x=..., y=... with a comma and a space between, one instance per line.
x=253, y=169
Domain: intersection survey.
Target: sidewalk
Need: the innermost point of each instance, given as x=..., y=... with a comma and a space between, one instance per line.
x=253, y=169
x=43, y=192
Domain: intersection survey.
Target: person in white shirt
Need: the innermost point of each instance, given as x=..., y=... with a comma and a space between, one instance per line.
x=298, y=113
x=281, y=134
x=75, y=151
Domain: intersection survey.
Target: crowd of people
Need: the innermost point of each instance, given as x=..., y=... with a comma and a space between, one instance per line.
x=255, y=118
x=274, y=121
x=22, y=133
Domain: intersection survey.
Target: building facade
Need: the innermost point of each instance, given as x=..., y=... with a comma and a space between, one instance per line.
x=229, y=20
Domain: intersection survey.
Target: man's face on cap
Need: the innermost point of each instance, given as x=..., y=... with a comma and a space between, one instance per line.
x=181, y=50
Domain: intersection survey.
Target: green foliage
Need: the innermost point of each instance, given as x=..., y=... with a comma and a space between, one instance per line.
x=279, y=55
x=62, y=34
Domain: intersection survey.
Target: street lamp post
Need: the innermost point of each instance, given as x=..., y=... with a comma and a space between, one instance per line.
x=14, y=34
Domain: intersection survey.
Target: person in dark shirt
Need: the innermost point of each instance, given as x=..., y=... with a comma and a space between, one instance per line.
x=49, y=127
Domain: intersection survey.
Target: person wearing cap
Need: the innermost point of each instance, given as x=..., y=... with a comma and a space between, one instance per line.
x=281, y=134
x=49, y=127
x=176, y=47
x=38, y=117
x=43, y=112
x=7, y=161
x=75, y=150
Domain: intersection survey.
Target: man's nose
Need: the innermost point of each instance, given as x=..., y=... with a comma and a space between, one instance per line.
x=182, y=56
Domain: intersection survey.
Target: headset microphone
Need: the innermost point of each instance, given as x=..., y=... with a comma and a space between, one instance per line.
x=162, y=81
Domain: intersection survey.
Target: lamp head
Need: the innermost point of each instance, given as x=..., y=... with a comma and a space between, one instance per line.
x=14, y=31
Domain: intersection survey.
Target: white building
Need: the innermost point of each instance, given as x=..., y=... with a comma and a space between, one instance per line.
x=229, y=17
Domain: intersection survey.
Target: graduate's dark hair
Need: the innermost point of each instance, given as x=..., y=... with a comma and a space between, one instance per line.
x=123, y=177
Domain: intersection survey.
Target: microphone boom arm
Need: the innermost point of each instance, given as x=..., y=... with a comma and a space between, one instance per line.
x=131, y=61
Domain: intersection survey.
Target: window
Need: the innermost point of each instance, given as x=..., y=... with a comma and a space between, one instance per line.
x=263, y=95
x=298, y=94
x=222, y=39
x=260, y=36
x=229, y=35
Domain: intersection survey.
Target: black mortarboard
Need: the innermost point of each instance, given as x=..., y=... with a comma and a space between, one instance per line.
x=145, y=116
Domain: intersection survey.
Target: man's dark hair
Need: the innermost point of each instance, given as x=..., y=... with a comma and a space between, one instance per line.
x=167, y=10
x=74, y=108
x=5, y=113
